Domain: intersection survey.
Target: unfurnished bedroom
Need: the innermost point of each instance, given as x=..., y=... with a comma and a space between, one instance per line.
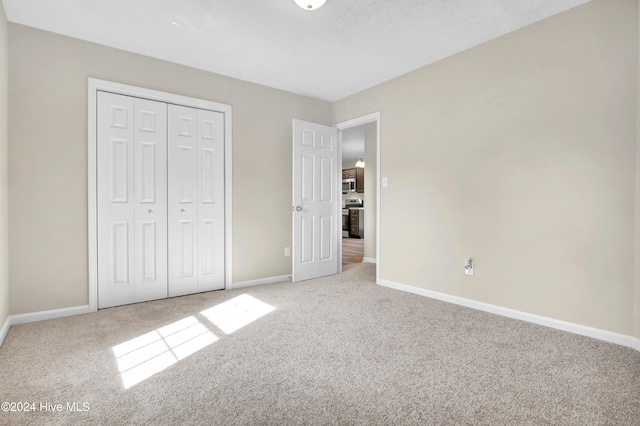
x=349, y=212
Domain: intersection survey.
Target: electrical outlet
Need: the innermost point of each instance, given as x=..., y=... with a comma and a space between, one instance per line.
x=468, y=266
x=287, y=251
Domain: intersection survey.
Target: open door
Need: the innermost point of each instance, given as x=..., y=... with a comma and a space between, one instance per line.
x=316, y=201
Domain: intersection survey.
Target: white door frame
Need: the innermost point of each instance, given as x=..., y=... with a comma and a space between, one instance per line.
x=96, y=85
x=364, y=119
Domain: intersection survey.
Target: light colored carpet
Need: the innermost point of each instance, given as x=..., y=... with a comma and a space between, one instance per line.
x=337, y=350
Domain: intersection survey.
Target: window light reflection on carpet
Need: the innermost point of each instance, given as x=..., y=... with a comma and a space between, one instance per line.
x=142, y=357
x=146, y=355
x=236, y=313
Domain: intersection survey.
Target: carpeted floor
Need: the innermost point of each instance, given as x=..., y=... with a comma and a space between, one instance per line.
x=337, y=350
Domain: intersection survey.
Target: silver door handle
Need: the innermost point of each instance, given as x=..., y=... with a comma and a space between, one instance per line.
x=182, y=211
x=150, y=211
x=298, y=208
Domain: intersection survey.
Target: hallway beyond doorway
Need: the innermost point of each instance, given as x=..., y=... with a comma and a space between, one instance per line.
x=352, y=252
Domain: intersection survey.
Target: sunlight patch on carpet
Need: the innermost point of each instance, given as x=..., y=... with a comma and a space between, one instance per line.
x=142, y=357
x=236, y=313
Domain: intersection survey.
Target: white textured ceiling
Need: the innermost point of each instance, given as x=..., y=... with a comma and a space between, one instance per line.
x=340, y=49
x=352, y=145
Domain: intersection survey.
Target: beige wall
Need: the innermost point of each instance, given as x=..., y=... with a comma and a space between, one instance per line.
x=48, y=161
x=519, y=153
x=4, y=174
x=637, y=200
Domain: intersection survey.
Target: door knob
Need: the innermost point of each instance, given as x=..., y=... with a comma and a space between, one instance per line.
x=298, y=208
x=183, y=211
x=150, y=211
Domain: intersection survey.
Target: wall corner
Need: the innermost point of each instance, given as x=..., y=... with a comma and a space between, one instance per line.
x=636, y=275
x=4, y=172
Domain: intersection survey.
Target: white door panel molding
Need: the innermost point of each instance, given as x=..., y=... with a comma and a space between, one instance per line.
x=316, y=201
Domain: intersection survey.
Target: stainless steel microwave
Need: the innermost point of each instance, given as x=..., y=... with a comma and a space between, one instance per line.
x=349, y=185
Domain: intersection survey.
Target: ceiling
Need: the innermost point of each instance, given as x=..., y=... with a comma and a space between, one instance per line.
x=352, y=145
x=330, y=53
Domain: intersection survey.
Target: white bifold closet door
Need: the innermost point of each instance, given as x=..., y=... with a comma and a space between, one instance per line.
x=196, y=200
x=160, y=186
x=132, y=200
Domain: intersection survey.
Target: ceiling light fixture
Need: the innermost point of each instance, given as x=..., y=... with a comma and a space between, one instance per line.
x=360, y=163
x=310, y=4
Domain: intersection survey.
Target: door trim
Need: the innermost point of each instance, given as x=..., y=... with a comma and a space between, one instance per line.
x=95, y=85
x=364, y=119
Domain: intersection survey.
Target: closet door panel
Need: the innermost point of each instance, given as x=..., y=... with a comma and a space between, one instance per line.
x=196, y=200
x=182, y=200
x=116, y=209
x=186, y=246
x=211, y=200
x=160, y=200
x=132, y=222
x=150, y=240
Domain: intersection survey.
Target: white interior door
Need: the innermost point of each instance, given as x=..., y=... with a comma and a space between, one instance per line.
x=316, y=201
x=196, y=200
x=132, y=198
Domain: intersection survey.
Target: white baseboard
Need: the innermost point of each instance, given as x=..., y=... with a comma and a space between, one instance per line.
x=46, y=315
x=369, y=260
x=596, y=333
x=5, y=329
x=261, y=281
x=40, y=316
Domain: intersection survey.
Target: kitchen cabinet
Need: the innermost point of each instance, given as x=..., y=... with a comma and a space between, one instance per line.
x=360, y=180
x=356, y=223
x=357, y=174
x=349, y=174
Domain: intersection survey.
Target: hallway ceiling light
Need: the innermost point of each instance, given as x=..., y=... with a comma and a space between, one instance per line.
x=310, y=4
x=360, y=163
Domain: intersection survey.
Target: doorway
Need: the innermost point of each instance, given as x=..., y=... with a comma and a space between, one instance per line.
x=354, y=194
x=359, y=150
